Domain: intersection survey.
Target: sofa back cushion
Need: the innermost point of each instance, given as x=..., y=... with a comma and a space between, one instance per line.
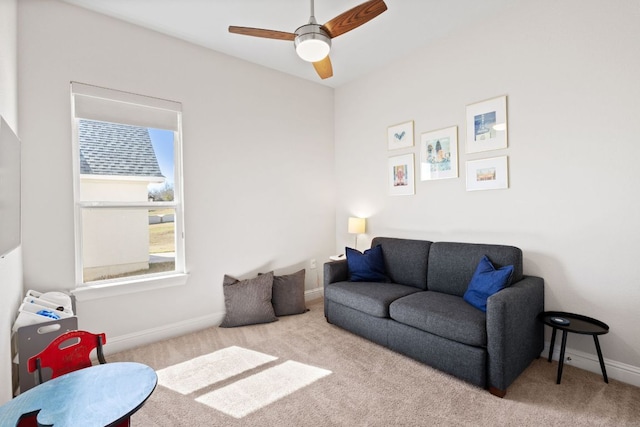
x=405, y=260
x=451, y=265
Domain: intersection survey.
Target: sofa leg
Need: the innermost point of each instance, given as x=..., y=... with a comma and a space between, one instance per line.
x=497, y=392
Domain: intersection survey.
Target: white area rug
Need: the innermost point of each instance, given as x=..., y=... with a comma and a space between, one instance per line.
x=203, y=371
x=257, y=391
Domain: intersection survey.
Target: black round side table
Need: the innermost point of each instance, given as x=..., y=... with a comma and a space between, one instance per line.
x=578, y=324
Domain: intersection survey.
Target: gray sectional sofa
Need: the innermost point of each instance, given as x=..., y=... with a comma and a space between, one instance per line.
x=420, y=311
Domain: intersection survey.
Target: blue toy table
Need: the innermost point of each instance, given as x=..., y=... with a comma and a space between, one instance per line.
x=102, y=395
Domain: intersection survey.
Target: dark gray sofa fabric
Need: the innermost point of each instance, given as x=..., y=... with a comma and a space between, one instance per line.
x=436, y=326
x=445, y=315
x=370, y=298
x=514, y=335
x=406, y=260
x=374, y=329
x=451, y=265
x=463, y=361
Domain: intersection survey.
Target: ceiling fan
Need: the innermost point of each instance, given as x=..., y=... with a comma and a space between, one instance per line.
x=313, y=41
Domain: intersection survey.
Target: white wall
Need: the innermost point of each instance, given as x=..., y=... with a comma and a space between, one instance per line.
x=570, y=70
x=258, y=170
x=8, y=63
x=11, y=264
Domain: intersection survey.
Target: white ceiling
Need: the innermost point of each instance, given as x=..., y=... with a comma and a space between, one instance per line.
x=404, y=27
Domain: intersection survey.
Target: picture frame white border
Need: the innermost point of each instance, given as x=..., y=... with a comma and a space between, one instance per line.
x=402, y=190
x=501, y=170
x=425, y=169
x=406, y=129
x=498, y=140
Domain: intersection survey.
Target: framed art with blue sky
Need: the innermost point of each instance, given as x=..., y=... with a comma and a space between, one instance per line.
x=487, y=125
x=401, y=175
x=439, y=154
x=487, y=174
x=400, y=135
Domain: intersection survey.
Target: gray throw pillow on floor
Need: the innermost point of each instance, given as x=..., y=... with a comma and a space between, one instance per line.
x=248, y=301
x=288, y=294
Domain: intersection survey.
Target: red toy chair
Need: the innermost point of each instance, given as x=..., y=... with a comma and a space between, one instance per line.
x=67, y=353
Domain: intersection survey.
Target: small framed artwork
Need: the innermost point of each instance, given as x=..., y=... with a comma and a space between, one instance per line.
x=400, y=135
x=487, y=174
x=401, y=175
x=487, y=125
x=439, y=154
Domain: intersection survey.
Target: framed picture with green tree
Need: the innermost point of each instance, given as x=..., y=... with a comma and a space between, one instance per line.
x=439, y=154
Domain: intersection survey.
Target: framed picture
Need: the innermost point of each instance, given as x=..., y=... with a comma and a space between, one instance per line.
x=487, y=174
x=401, y=175
x=439, y=154
x=487, y=125
x=400, y=136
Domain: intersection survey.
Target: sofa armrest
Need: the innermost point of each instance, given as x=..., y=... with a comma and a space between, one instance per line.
x=335, y=271
x=515, y=337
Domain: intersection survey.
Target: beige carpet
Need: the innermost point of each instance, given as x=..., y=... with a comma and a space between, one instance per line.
x=303, y=371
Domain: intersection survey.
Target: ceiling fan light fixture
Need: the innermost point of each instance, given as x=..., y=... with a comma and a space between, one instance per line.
x=312, y=43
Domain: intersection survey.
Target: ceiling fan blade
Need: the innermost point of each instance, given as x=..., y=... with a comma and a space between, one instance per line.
x=324, y=68
x=258, y=32
x=355, y=17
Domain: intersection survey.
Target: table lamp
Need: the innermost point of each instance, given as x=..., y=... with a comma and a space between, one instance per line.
x=356, y=226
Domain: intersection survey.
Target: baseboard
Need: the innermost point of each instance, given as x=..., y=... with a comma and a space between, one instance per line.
x=136, y=339
x=615, y=370
x=148, y=336
x=313, y=294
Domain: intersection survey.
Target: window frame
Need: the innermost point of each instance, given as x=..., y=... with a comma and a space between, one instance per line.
x=148, y=106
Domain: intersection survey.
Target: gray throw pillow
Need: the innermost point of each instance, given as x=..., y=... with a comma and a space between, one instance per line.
x=288, y=294
x=248, y=301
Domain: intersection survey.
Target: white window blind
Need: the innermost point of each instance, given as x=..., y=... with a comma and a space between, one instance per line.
x=109, y=105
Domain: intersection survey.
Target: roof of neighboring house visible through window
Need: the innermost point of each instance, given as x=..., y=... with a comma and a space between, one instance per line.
x=116, y=149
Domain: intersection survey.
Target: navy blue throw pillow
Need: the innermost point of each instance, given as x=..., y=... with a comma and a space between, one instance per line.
x=367, y=266
x=485, y=282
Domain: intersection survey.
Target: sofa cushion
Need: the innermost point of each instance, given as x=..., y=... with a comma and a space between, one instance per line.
x=405, y=260
x=367, y=266
x=367, y=297
x=452, y=265
x=445, y=315
x=486, y=281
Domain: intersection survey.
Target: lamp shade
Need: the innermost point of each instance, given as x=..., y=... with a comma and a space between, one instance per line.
x=357, y=225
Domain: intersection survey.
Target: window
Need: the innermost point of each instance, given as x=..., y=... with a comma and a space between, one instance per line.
x=127, y=186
